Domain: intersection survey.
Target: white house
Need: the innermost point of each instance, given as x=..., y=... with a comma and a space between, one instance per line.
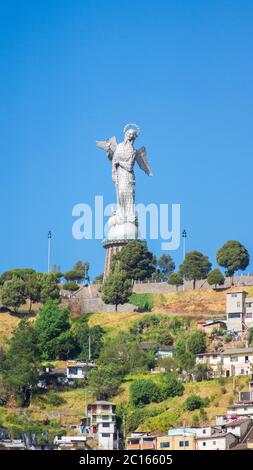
x=77, y=369
x=217, y=441
x=239, y=409
x=238, y=361
x=212, y=360
x=70, y=442
x=101, y=424
x=239, y=427
x=239, y=310
x=231, y=362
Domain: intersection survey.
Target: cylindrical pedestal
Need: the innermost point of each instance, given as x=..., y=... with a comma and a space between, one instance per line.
x=112, y=247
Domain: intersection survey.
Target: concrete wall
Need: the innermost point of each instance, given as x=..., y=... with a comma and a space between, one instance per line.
x=88, y=297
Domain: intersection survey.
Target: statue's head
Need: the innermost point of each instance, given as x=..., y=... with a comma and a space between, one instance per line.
x=131, y=132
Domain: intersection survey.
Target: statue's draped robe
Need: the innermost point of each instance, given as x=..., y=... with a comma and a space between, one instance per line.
x=124, y=178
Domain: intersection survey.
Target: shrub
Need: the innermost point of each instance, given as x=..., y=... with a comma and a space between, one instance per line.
x=197, y=342
x=71, y=286
x=144, y=302
x=250, y=336
x=172, y=387
x=193, y=402
x=144, y=391
x=54, y=399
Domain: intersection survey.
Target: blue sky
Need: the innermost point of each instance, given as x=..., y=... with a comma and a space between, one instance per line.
x=74, y=72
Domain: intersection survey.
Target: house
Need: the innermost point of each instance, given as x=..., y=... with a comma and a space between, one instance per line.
x=75, y=370
x=164, y=351
x=238, y=427
x=182, y=439
x=239, y=409
x=237, y=361
x=211, y=325
x=231, y=362
x=101, y=424
x=217, y=441
x=78, y=369
x=239, y=310
x=52, y=377
x=213, y=360
x=141, y=441
x=70, y=442
x=247, y=397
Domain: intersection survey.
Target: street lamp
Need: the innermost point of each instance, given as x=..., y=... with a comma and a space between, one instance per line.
x=49, y=237
x=184, y=236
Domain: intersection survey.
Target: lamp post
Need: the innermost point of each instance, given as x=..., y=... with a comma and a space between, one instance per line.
x=184, y=236
x=49, y=237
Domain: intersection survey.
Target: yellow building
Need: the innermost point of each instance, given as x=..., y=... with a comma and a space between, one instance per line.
x=184, y=441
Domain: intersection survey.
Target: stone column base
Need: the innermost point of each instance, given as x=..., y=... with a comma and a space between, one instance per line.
x=112, y=247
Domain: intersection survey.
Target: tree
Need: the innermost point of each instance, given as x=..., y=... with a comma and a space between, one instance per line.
x=215, y=277
x=195, y=266
x=79, y=272
x=233, y=256
x=32, y=288
x=193, y=402
x=116, y=289
x=250, y=336
x=52, y=320
x=98, y=279
x=49, y=287
x=172, y=386
x=19, y=366
x=13, y=293
x=71, y=286
x=82, y=334
x=166, y=265
x=135, y=260
x=20, y=273
x=104, y=382
x=184, y=358
x=175, y=279
x=196, y=342
x=144, y=391
x=202, y=372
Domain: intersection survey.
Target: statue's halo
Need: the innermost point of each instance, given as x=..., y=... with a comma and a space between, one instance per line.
x=133, y=126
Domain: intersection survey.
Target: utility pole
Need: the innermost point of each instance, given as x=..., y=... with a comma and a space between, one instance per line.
x=184, y=236
x=89, y=340
x=49, y=238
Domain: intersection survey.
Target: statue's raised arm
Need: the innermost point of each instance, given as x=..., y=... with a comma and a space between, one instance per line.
x=142, y=160
x=108, y=145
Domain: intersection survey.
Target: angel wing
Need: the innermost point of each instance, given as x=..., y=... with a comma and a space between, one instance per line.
x=108, y=145
x=142, y=160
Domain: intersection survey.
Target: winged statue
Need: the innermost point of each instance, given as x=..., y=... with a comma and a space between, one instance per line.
x=123, y=156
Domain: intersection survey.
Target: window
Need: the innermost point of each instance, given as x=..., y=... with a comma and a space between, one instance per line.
x=214, y=443
x=105, y=407
x=183, y=443
x=105, y=434
x=105, y=425
x=233, y=358
x=233, y=295
x=246, y=358
x=164, y=445
x=234, y=315
x=238, y=304
x=204, y=431
x=105, y=417
x=204, y=444
x=242, y=371
x=73, y=370
x=248, y=315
